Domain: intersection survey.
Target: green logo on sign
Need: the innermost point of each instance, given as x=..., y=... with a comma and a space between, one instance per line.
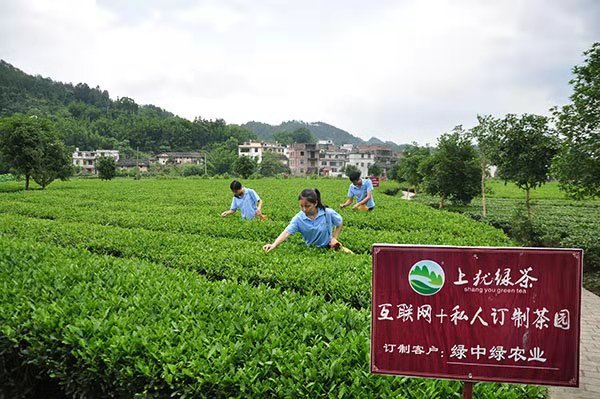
x=426, y=277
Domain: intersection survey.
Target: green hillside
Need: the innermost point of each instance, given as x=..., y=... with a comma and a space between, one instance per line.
x=88, y=118
x=321, y=130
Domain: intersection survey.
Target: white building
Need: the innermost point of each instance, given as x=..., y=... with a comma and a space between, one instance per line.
x=362, y=161
x=87, y=159
x=332, y=163
x=180, y=158
x=347, y=147
x=256, y=149
x=325, y=142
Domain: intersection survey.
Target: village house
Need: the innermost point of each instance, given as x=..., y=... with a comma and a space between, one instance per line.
x=86, y=160
x=179, y=158
x=256, y=149
x=332, y=162
x=128, y=164
x=303, y=158
x=362, y=161
x=381, y=155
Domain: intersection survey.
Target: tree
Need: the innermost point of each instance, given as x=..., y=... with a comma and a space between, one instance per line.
x=192, y=170
x=350, y=168
x=486, y=136
x=577, y=164
x=54, y=163
x=452, y=171
x=4, y=168
x=21, y=143
x=106, y=167
x=408, y=168
x=375, y=170
x=222, y=156
x=126, y=104
x=284, y=138
x=244, y=166
x=525, y=148
x=303, y=135
x=241, y=134
x=271, y=164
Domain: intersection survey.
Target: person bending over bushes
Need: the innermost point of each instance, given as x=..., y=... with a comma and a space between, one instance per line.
x=362, y=190
x=319, y=225
x=246, y=200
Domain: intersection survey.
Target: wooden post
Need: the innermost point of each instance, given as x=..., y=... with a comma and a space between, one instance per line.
x=468, y=390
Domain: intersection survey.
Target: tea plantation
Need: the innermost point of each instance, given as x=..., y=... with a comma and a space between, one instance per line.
x=130, y=288
x=556, y=221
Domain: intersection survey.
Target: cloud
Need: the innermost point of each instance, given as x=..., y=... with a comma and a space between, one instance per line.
x=401, y=70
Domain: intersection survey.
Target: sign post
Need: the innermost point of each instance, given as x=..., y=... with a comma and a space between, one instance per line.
x=477, y=314
x=467, y=390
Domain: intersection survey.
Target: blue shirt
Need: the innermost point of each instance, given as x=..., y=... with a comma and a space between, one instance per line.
x=247, y=204
x=316, y=232
x=361, y=192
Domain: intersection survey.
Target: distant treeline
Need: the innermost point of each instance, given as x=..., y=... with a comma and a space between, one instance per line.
x=88, y=118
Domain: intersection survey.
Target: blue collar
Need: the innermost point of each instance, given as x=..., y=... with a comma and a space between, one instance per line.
x=319, y=213
x=242, y=197
x=360, y=188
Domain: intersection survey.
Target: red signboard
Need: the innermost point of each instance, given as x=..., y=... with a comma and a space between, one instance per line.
x=375, y=181
x=477, y=314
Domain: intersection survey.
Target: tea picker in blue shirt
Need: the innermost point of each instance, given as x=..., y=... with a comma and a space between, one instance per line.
x=246, y=200
x=319, y=225
x=362, y=190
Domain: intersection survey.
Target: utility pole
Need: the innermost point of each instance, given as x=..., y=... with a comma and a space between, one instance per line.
x=137, y=163
x=205, y=161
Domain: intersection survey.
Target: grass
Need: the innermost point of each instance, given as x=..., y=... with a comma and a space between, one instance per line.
x=500, y=189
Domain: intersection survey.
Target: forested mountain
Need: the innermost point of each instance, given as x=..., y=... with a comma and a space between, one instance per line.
x=89, y=119
x=321, y=130
x=389, y=144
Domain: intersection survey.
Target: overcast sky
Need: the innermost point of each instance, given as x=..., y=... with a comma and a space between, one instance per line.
x=399, y=70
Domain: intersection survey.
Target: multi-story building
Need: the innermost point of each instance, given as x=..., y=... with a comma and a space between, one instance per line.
x=362, y=161
x=383, y=156
x=179, y=158
x=367, y=155
x=87, y=159
x=332, y=163
x=303, y=158
x=325, y=144
x=256, y=149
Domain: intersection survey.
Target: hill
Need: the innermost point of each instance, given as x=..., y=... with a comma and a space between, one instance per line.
x=320, y=130
x=88, y=118
x=390, y=144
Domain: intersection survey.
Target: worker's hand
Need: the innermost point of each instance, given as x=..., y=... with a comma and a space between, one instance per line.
x=342, y=206
x=355, y=207
x=268, y=247
x=334, y=243
x=224, y=214
x=258, y=212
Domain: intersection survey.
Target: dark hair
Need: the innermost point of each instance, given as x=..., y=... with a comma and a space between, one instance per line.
x=235, y=185
x=312, y=196
x=354, y=175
